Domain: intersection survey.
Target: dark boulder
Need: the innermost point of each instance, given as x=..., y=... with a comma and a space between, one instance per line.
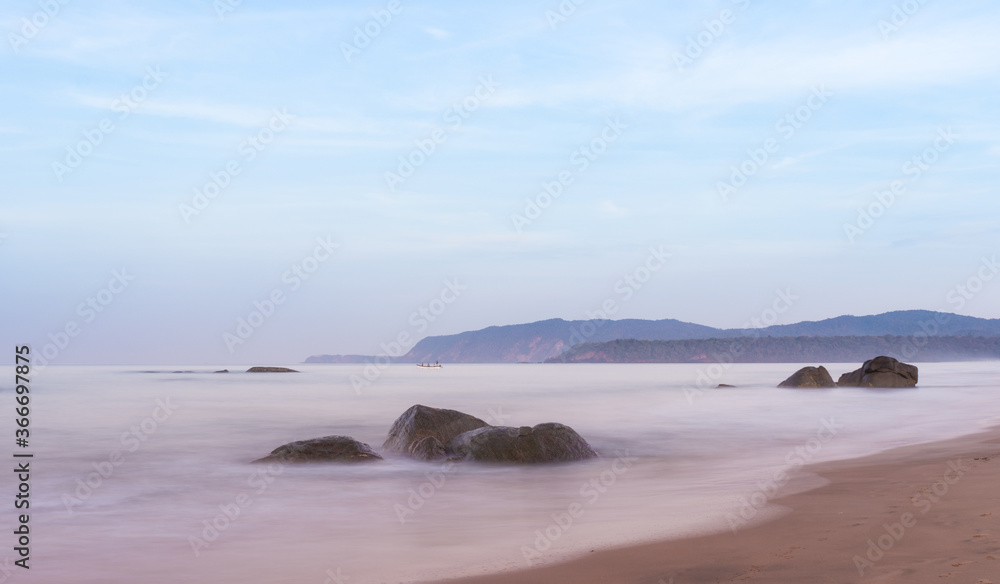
x=809, y=377
x=325, y=449
x=271, y=370
x=409, y=431
x=548, y=442
x=428, y=448
x=881, y=372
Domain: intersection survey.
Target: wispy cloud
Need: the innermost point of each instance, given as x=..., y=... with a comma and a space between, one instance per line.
x=437, y=33
x=609, y=208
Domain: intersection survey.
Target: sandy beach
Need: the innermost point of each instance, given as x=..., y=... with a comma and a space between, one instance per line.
x=924, y=513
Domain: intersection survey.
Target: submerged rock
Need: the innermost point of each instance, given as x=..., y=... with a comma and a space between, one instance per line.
x=271, y=370
x=881, y=371
x=550, y=442
x=419, y=422
x=325, y=449
x=809, y=377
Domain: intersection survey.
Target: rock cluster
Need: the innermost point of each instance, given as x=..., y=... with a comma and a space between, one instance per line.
x=430, y=434
x=878, y=372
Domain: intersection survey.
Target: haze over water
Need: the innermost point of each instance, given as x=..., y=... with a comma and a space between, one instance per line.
x=691, y=457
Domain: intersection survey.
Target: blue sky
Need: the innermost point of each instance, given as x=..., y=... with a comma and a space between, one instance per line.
x=642, y=110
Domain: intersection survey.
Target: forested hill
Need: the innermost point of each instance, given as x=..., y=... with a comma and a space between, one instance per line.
x=840, y=349
x=537, y=341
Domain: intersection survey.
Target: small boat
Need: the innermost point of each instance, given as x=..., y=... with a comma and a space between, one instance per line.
x=436, y=365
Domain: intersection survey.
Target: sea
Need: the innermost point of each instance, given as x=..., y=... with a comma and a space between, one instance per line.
x=145, y=474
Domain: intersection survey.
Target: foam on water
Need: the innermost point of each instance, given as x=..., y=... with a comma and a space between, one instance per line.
x=696, y=454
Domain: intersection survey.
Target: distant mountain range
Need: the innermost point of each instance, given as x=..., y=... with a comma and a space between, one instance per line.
x=535, y=342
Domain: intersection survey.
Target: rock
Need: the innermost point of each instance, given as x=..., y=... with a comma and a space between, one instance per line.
x=548, y=442
x=723, y=386
x=222, y=371
x=881, y=371
x=852, y=379
x=809, y=377
x=420, y=422
x=428, y=448
x=271, y=370
x=325, y=449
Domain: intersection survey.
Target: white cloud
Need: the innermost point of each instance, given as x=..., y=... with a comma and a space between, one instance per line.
x=609, y=208
x=437, y=33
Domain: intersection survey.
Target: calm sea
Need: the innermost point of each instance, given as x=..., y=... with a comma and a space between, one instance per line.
x=119, y=496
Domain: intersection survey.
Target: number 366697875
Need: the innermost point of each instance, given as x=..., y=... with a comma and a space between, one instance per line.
x=22, y=369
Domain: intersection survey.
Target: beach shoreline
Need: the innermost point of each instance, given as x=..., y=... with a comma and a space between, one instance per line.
x=921, y=513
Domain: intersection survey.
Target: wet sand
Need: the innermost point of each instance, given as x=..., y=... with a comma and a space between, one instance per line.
x=924, y=513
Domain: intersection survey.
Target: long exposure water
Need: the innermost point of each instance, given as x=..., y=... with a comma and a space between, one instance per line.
x=118, y=496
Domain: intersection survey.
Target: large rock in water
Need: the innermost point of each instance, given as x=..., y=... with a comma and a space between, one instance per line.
x=549, y=442
x=271, y=370
x=423, y=432
x=325, y=449
x=881, y=372
x=809, y=377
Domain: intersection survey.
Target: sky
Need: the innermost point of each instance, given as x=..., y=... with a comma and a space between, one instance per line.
x=237, y=182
